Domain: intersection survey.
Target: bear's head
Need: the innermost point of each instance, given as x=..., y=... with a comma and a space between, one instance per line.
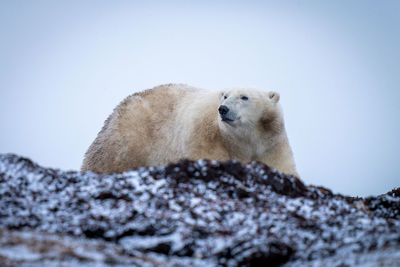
x=250, y=113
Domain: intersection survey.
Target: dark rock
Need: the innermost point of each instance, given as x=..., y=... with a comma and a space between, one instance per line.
x=202, y=213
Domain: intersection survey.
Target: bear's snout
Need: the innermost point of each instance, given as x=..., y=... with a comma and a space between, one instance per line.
x=223, y=110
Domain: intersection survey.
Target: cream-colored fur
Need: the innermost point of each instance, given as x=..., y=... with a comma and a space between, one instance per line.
x=176, y=121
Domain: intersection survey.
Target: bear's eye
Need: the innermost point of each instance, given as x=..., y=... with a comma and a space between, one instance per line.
x=225, y=97
x=243, y=97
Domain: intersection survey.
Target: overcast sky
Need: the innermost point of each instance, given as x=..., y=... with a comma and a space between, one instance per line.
x=64, y=66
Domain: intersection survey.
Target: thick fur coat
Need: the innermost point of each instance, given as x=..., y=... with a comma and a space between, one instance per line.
x=176, y=121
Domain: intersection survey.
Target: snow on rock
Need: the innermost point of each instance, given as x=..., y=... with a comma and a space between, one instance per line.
x=202, y=213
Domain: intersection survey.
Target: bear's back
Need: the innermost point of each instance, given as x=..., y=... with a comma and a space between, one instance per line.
x=151, y=108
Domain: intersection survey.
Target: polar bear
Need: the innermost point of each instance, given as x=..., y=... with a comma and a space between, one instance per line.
x=175, y=121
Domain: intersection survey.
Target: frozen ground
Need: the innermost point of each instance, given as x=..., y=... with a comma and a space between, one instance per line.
x=202, y=213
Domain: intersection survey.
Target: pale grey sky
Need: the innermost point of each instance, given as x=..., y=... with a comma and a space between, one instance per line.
x=64, y=65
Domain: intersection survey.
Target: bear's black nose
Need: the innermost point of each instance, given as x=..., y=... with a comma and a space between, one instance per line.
x=223, y=110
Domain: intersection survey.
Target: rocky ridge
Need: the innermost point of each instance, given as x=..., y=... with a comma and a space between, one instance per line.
x=202, y=213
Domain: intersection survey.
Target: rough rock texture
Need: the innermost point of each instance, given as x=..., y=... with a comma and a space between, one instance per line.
x=198, y=213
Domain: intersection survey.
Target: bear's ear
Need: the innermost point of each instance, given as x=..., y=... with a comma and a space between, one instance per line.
x=273, y=96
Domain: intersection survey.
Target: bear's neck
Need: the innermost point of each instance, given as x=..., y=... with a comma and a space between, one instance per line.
x=246, y=145
x=273, y=150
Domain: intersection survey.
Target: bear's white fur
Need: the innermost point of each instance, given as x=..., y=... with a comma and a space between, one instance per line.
x=176, y=121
